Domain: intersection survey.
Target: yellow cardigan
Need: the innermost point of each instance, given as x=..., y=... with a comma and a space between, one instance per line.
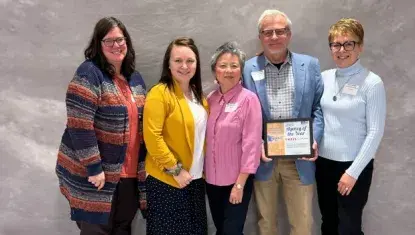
x=168, y=128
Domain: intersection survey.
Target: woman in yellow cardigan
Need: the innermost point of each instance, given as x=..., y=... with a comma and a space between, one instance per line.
x=175, y=115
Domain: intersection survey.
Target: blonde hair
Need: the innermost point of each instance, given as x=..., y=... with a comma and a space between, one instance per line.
x=347, y=26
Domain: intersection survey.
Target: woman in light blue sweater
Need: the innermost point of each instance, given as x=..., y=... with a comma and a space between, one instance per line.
x=354, y=108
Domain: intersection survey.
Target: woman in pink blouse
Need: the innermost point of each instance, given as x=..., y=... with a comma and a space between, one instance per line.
x=233, y=142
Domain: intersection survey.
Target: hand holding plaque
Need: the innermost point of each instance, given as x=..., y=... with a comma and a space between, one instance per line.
x=289, y=138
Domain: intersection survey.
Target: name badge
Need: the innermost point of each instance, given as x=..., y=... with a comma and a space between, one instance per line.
x=231, y=107
x=258, y=75
x=350, y=89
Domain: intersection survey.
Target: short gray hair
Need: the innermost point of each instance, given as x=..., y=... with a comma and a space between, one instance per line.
x=228, y=47
x=273, y=12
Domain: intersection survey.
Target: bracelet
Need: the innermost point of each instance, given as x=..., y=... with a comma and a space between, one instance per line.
x=175, y=171
x=238, y=186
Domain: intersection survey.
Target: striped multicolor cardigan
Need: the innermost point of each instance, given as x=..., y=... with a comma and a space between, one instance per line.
x=95, y=140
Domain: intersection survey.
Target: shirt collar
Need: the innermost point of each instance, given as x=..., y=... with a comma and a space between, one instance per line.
x=351, y=70
x=231, y=93
x=288, y=59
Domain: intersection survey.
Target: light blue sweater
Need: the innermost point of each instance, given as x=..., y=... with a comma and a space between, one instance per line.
x=353, y=124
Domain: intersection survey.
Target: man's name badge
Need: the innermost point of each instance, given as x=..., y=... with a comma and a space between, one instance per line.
x=258, y=75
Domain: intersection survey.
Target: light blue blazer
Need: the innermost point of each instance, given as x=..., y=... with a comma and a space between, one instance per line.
x=308, y=91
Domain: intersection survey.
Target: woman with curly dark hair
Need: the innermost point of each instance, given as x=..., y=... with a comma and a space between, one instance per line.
x=100, y=163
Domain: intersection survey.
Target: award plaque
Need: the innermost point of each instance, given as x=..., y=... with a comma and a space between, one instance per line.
x=289, y=138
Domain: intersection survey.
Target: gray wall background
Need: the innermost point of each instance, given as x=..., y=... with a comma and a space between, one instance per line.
x=42, y=43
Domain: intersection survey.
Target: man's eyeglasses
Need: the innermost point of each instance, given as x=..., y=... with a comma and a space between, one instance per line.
x=347, y=46
x=109, y=42
x=279, y=32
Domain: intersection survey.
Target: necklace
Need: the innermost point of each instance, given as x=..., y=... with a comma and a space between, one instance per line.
x=341, y=88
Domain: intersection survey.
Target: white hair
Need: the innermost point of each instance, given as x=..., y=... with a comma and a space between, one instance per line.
x=271, y=12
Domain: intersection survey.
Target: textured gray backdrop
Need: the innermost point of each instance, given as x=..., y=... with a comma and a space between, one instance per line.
x=42, y=43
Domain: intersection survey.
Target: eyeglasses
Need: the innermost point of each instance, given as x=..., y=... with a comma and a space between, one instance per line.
x=279, y=32
x=347, y=46
x=109, y=42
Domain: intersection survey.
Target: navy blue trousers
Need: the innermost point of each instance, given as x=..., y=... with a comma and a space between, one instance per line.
x=229, y=219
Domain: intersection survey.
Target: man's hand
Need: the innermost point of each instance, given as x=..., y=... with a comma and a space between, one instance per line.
x=315, y=153
x=264, y=158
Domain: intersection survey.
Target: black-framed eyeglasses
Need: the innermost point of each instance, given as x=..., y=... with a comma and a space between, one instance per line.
x=347, y=46
x=279, y=32
x=109, y=42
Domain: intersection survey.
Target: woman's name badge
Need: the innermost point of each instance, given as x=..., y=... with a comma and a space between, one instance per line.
x=230, y=107
x=350, y=89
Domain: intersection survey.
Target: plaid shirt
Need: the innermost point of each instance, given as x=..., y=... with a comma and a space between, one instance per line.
x=280, y=88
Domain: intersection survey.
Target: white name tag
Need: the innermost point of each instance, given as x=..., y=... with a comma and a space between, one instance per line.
x=230, y=107
x=258, y=75
x=350, y=89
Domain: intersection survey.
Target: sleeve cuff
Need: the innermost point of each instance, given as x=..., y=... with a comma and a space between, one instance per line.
x=169, y=164
x=353, y=172
x=94, y=169
x=248, y=170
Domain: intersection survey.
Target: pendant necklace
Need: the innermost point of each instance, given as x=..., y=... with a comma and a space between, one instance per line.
x=341, y=88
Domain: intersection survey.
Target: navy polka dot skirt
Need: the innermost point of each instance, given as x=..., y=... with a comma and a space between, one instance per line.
x=174, y=211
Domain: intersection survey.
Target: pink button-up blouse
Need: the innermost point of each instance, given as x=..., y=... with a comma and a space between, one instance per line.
x=233, y=135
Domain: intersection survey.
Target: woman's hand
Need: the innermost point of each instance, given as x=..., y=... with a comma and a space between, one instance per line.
x=346, y=184
x=183, y=179
x=97, y=180
x=236, y=195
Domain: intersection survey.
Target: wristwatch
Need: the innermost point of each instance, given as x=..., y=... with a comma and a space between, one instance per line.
x=238, y=186
x=175, y=171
